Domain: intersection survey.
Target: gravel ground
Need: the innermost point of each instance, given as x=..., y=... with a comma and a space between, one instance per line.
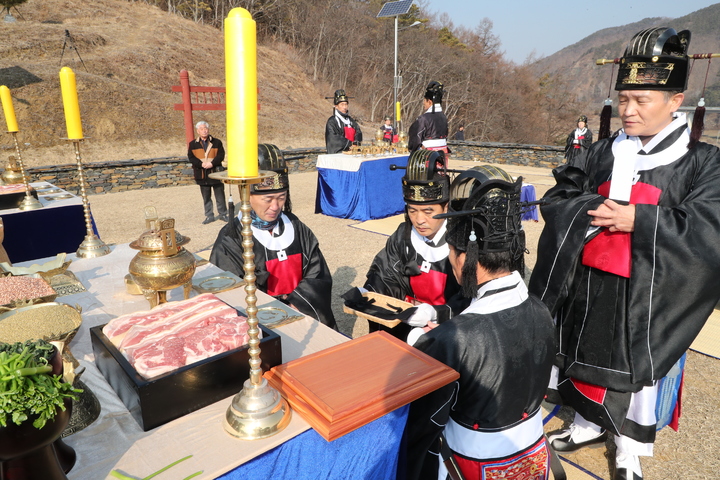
x=688, y=454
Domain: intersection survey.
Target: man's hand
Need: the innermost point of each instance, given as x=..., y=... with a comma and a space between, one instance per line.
x=423, y=315
x=207, y=165
x=429, y=326
x=616, y=217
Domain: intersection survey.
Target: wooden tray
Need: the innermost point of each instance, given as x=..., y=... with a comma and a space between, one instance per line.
x=381, y=301
x=349, y=385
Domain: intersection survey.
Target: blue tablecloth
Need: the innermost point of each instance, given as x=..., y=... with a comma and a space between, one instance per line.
x=370, y=452
x=56, y=228
x=372, y=192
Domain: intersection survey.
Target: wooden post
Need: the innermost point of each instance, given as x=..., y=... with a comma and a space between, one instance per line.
x=187, y=106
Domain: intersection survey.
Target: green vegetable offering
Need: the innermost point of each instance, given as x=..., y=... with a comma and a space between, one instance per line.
x=26, y=386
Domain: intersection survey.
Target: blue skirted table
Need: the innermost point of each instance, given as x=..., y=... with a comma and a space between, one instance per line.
x=368, y=452
x=56, y=228
x=360, y=188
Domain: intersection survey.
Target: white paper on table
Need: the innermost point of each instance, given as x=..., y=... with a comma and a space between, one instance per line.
x=623, y=172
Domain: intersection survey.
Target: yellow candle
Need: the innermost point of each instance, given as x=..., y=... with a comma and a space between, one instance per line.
x=397, y=111
x=241, y=94
x=8, y=109
x=70, y=104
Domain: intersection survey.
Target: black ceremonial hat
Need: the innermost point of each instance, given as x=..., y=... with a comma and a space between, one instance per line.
x=434, y=92
x=340, y=96
x=425, y=181
x=655, y=59
x=582, y=118
x=484, y=200
x=271, y=158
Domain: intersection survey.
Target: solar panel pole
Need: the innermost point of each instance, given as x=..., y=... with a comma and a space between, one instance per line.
x=395, y=79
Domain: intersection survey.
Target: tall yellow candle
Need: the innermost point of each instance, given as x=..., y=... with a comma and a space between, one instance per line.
x=397, y=111
x=8, y=109
x=241, y=93
x=70, y=104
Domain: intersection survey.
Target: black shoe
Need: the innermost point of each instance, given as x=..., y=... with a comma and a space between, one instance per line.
x=626, y=474
x=563, y=442
x=208, y=220
x=224, y=218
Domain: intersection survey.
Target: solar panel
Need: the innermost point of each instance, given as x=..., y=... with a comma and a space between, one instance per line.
x=392, y=9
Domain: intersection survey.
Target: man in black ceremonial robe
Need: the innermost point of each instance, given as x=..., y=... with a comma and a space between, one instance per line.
x=502, y=345
x=288, y=262
x=430, y=130
x=578, y=141
x=628, y=260
x=341, y=130
x=414, y=264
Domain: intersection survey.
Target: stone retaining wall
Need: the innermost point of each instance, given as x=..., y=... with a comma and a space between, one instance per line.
x=119, y=176
x=543, y=156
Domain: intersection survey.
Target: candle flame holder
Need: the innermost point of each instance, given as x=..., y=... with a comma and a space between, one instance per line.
x=258, y=411
x=92, y=246
x=29, y=202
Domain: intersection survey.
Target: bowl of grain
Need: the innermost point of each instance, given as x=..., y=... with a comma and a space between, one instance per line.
x=48, y=321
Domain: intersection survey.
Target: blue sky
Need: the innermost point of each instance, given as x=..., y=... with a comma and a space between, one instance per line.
x=549, y=26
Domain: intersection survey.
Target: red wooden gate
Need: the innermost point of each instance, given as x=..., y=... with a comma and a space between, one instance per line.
x=196, y=98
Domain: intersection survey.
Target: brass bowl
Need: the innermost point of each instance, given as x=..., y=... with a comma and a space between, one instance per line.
x=53, y=267
x=24, y=302
x=55, y=271
x=48, y=321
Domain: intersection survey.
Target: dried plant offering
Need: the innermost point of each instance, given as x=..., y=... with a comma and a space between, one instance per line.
x=27, y=386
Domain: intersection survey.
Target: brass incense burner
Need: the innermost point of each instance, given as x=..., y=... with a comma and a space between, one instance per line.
x=162, y=263
x=12, y=173
x=402, y=146
x=379, y=135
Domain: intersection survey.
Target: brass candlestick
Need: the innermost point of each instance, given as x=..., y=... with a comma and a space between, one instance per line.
x=92, y=246
x=29, y=202
x=258, y=411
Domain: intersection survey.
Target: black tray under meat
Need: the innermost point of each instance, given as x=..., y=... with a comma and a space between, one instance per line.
x=169, y=396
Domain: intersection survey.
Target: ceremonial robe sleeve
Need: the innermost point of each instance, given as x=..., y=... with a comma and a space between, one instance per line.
x=569, y=143
x=675, y=249
x=335, y=141
x=564, y=235
x=415, y=134
x=313, y=294
x=385, y=275
x=358, y=132
x=429, y=414
x=227, y=254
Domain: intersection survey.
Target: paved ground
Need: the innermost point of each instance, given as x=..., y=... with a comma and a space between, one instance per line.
x=689, y=454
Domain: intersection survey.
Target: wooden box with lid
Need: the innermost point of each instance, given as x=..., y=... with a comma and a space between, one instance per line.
x=347, y=386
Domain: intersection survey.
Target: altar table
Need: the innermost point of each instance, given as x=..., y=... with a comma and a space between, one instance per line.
x=116, y=441
x=360, y=188
x=57, y=227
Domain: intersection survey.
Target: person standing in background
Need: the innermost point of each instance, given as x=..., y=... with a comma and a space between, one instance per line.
x=578, y=142
x=206, y=155
x=430, y=130
x=460, y=134
x=341, y=130
x=388, y=130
